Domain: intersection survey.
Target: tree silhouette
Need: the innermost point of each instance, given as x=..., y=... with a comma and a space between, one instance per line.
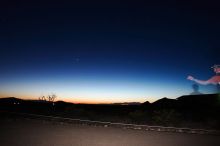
x=49, y=98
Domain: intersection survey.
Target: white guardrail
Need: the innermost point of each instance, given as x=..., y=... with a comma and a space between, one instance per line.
x=121, y=125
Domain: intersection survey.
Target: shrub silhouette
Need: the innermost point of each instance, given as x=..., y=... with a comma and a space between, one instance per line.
x=166, y=117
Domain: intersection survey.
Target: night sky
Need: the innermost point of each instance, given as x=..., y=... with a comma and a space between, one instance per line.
x=104, y=52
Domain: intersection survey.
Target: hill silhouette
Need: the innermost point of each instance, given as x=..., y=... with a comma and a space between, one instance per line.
x=197, y=111
x=198, y=101
x=165, y=103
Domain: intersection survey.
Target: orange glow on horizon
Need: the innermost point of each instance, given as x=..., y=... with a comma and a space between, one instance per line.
x=76, y=100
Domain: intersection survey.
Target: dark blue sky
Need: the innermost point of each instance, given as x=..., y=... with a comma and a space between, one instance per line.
x=106, y=51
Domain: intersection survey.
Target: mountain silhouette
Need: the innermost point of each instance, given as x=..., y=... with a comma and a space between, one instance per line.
x=202, y=100
x=199, y=101
x=10, y=100
x=164, y=103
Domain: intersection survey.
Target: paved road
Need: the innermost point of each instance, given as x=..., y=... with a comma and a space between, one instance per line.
x=39, y=133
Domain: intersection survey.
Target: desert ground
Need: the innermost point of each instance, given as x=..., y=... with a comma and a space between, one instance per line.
x=26, y=132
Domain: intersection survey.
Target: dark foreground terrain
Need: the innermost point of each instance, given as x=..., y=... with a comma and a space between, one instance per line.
x=191, y=111
x=24, y=132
